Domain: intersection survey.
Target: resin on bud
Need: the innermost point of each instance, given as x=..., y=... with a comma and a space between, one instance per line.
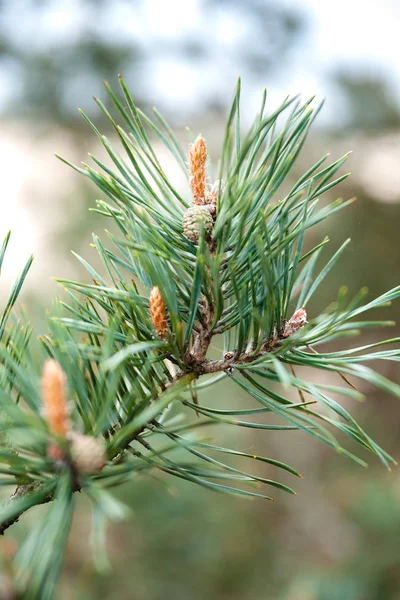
x=158, y=312
x=296, y=322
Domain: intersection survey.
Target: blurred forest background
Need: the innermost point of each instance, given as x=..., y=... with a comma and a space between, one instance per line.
x=339, y=540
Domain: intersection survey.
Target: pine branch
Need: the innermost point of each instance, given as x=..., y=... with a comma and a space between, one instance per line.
x=21, y=495
x=133, y=341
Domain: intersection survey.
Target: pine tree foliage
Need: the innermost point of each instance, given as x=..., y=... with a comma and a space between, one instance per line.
x=130, y=351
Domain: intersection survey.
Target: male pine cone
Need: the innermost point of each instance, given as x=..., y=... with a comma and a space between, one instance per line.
x=197, y=169
x=203, y=209
x=55, y=405
x=158, y=312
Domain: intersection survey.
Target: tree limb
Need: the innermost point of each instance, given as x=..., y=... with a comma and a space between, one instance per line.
x=22, y=490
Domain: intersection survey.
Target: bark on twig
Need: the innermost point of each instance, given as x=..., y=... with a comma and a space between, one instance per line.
x=22, y=490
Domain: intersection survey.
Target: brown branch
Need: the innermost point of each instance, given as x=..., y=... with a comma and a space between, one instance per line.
x=34, y=487
x=22, y=490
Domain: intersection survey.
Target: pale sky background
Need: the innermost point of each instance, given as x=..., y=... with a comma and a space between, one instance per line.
x=357, y=34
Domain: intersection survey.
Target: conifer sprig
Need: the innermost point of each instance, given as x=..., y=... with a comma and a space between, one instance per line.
x=223, y=264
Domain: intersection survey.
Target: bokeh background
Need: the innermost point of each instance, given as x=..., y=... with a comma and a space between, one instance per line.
x=339, y=540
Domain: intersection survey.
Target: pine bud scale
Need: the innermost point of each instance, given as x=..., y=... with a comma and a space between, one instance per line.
x=296, y=322
x=194, y=218
x=88, y=453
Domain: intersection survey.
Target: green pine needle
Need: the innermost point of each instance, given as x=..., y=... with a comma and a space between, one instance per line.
x=137, y=387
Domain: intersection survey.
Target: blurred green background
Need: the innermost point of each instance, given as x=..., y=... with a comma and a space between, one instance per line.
x=339, y=539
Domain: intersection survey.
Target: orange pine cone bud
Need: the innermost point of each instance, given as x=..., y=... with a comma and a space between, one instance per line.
x=197, y=168
x=158, y=312
x=55, y=402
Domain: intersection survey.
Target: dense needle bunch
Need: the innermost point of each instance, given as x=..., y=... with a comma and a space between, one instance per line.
x=197, y=288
